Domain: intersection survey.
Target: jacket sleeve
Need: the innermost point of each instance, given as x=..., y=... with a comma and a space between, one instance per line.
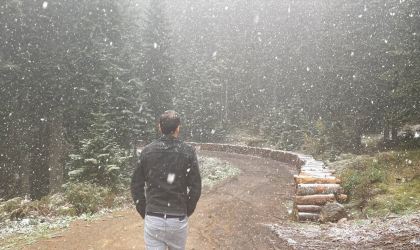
x=194, y=184
x=137, y=188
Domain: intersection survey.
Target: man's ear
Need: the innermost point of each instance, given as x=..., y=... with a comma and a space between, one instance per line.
x=160, y=129
x=177, y=129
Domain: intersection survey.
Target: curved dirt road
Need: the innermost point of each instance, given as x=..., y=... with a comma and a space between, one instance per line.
x=230, y=215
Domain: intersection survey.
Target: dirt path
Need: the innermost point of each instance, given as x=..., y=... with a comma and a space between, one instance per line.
x=231, y=215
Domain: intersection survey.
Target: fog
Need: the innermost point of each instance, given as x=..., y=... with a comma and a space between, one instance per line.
x=83, y=79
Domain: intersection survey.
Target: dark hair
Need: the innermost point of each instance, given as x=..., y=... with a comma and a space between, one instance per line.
x=169, y=121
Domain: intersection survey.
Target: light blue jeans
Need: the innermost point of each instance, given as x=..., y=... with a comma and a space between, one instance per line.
x=160, y=233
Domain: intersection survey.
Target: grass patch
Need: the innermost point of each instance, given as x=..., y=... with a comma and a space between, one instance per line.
x=400, y=198
x=383, y=183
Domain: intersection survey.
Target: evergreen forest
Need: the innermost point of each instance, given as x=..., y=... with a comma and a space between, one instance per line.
x=83, y=81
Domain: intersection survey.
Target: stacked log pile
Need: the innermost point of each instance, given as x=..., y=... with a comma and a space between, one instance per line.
x=315, y=185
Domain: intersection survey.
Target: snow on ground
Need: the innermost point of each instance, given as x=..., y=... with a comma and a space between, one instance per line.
x=214, y=169
x=34, y=224
x=380, y=233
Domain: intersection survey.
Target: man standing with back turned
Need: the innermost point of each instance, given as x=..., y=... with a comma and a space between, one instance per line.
x=169, y=170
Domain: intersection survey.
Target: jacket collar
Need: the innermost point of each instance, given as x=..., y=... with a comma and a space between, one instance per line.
x=167, y=138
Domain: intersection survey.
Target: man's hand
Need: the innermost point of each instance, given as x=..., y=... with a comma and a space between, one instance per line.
x=141, y=211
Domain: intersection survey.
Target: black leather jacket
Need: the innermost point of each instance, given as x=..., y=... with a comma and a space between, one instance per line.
x=170, y=170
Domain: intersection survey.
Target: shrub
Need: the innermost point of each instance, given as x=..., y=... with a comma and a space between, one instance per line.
x=66, y=211
x=350, y=180
x=377, y=175
x=383, y=187
x=86, y=197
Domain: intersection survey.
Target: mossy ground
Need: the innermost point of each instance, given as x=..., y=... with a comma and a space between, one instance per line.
x=381, y=184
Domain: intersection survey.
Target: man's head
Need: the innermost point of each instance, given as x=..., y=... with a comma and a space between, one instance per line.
x=169, y=123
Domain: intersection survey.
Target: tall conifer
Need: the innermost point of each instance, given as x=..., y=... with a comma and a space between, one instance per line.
x=156, y=67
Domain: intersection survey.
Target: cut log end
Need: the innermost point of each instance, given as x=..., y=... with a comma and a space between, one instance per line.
x=342, y=197
x=300, y=216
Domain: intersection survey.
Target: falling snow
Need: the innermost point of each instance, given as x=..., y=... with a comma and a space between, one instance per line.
x=171, y=178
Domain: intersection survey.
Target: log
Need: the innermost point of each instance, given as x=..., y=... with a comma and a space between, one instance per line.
x=318, y=170
x=314, y=179
x=314, y=167
x=319, y=199
x=342, y=197
x=315, y=173
x=310, y=189
x=306, y=216
x=315, y=164
x=308, y=208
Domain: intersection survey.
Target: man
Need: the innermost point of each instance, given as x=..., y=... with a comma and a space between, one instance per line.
x=169, y=170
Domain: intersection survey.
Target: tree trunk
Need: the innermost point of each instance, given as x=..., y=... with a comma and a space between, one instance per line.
x=55, y=151
x=386, y=131
x=21, y=142
x=23, y=159
x=394, y=133
x=25, y=168
x=226, y=100
x=275, y=101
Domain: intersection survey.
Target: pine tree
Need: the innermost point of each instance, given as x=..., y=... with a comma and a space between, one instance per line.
x=156, y=67
x=100, y=159
x=196, y=100
x=125, y=95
